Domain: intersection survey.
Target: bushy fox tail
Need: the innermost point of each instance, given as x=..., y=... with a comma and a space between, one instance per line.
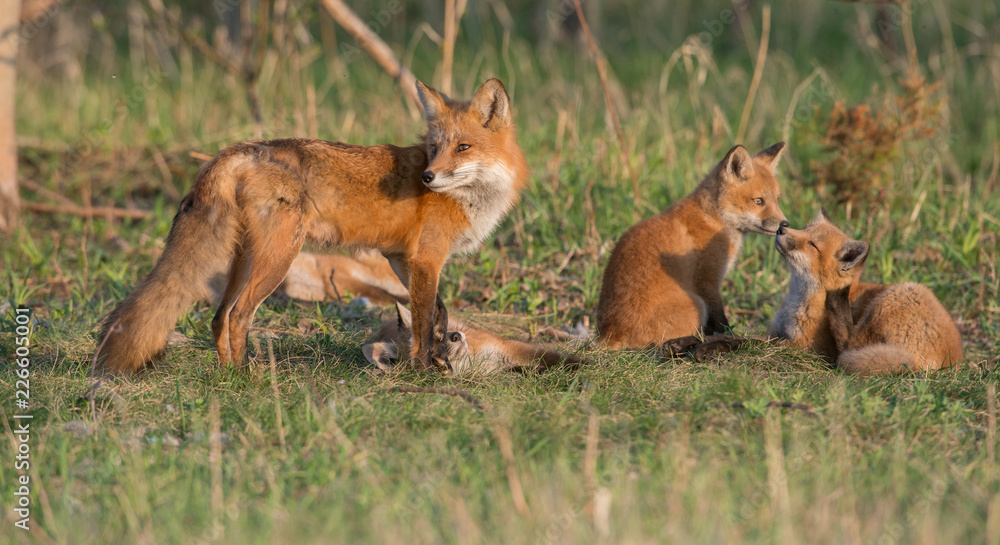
x=201, y=245
x=882, y=359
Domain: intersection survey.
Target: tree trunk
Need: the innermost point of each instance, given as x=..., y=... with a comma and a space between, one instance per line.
x=10, y=38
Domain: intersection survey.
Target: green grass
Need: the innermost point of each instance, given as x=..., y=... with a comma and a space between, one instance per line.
x=301, y=457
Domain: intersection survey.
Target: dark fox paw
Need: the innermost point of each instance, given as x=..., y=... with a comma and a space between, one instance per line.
x=675, y=347
x=719, y=345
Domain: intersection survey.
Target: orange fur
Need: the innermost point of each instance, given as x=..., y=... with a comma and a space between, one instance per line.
x=324, y=277
x=884, y=329
x=664, y=275
x=256, y=203
x=464, y=349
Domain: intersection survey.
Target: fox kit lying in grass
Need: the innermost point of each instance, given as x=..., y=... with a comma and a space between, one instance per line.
x=664, y=275
x=328, y=277
x=461, y=348
x=867, y=329
x=255, y=204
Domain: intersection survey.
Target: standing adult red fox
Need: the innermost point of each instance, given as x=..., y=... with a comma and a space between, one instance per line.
x=664, y=275
x=867, y=329
x=255, y=204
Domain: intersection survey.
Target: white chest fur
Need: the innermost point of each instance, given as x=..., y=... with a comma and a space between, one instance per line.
x=486, y=199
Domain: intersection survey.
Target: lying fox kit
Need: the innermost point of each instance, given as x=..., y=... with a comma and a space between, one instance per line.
x=664, y=275
x=867, y=329
x=460, y=348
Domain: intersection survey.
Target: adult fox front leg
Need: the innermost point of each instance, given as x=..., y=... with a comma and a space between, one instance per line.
x=255, y=204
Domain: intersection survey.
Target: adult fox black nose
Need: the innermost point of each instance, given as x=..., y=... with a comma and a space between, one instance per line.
x=781, y=227
x=427, y=176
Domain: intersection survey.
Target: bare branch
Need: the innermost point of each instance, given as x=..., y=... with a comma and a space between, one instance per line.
x=87, y=211
x=374, y=46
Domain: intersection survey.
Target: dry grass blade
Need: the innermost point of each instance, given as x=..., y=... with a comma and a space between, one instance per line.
x=428, y=390
x=93, y=367
x=277, y=393
x=502, y=435
x=500, y=432
x=590, y=459
x=88, y=211
x=808, y=409
x=595, y=51
x=993, y=509
x=758, y=71
x=215, y=458
x=453, y=11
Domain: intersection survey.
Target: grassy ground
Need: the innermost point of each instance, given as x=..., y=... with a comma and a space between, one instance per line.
x=638, y=448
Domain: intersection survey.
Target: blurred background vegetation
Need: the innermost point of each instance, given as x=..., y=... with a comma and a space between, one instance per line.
x=892, y=114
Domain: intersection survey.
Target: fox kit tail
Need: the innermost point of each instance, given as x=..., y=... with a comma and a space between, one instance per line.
x=881, y=359
x=543, y=359
x=201, y=245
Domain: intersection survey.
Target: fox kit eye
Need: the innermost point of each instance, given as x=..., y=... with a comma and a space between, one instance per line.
x=759, y=201
x=462, y=147
x=813, y=244
x=434, y=150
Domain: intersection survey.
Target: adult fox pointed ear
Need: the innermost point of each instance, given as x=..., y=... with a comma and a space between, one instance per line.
x=404, y=316
x=771, y=155
x=492, y=105
x=737, y=165
x=852, y=254
x=433, y=101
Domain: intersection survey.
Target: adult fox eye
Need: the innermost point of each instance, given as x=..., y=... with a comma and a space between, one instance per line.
x=462, y=147
x=759, y=201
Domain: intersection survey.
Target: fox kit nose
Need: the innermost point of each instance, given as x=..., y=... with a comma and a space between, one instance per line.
x=781, y=227
x=427, y=176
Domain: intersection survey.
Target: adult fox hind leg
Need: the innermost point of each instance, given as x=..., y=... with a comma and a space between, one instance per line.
x=268, y=249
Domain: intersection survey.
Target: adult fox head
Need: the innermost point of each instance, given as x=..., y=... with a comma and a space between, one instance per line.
x=471, y=142
x=748, y=191
x=822, y=256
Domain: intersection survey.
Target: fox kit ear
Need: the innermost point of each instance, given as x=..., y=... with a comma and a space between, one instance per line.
x=737, y=165
x=492, y=105
x=381, y=354
x=432, y=101
x=771, y=155
x=404, y=316
x=852, y=254
x=823, y=216
x=440, y=319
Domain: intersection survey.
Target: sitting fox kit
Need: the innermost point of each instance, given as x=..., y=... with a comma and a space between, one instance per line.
x=460, y=348
x=256, y=203
x=866, y=329
x=664, y=276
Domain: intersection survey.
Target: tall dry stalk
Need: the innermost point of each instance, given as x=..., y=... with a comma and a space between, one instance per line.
x=10, y=201
x=758, y=71
x=452, y=16
x=595, y=51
